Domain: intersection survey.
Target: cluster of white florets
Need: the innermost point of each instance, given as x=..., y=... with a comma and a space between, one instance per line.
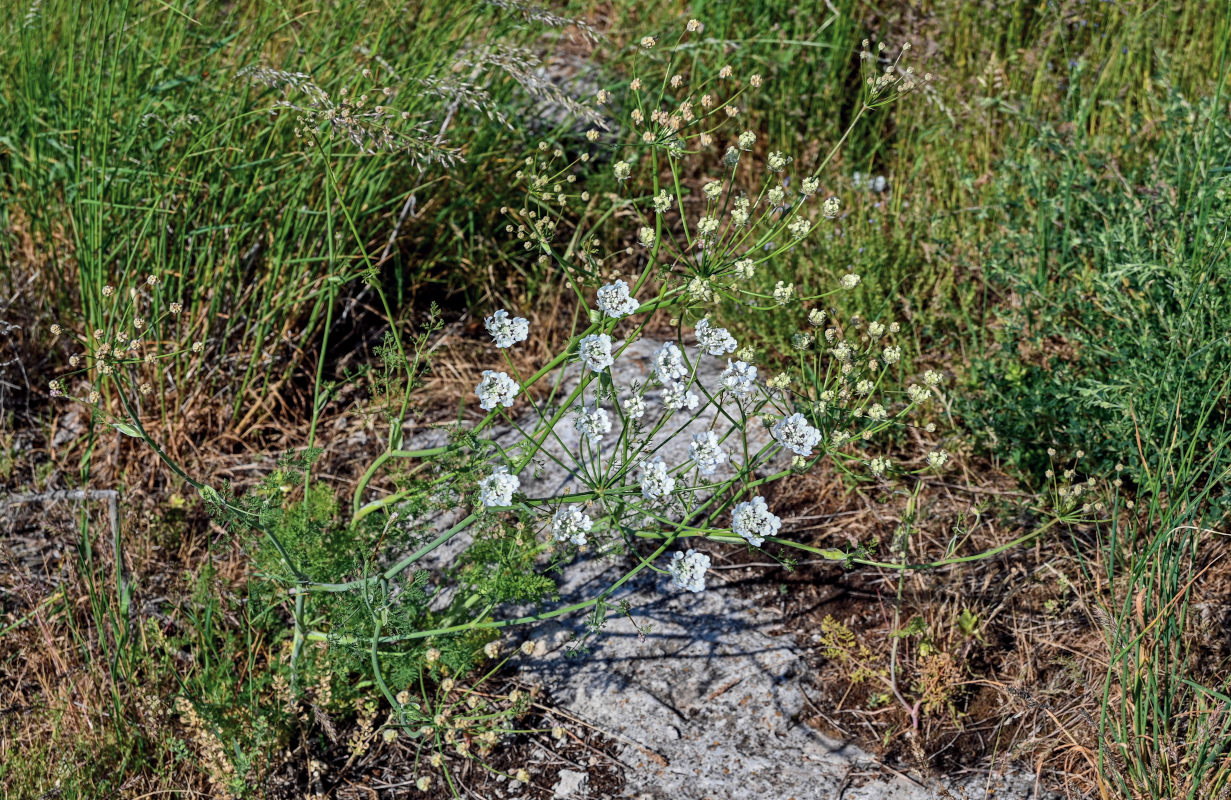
x=595, y=351
x=713, y=340
x=656, y=481
x=739, y=378
x=592, y=422
x=634, y=406
x=496, y=389
x=668, y=364
x=795, y=434
x=706, y=451
x=616, y=300
x=496, y=490
x=506, y=330
x=688, y=570
x=571, y=524
x=753, y=521
x=677, y=397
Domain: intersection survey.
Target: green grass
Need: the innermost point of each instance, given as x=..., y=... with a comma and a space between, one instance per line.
x=133, y=145
x=1111, y=309
x=1165, y=712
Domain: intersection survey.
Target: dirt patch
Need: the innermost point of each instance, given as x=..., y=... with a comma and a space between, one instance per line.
x=952, y=670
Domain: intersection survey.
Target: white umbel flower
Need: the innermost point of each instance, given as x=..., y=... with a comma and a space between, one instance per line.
x=706, y=451
x=715, y=341
x=571, y=525
x=753, y=521
x=668, y=363
x=497, y=489
x=688, y=570
x=595, y=351
x=496, y=389
x=795, y=434
x=634, y=407
x=656, y=480
x=616, y=301
x=506, y=330
x=937, y=458
x=592, y=422
x=741, y=211
x=677, y=397
x=739, y=378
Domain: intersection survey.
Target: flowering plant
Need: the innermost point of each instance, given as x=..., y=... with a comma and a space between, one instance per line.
x=665, y=441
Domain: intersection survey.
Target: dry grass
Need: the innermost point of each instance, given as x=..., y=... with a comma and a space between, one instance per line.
x=1008, y=663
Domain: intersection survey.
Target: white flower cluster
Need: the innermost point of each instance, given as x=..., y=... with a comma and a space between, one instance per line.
x=715, y=341
x=753, y=521
x=795, y=434
x=739, y=378
x=496, y=389
x=741, y=211
x=706, y=450
x=668, y=364
x=592, y=422
x=506, y=330
x=571, y=525
x=634, y=407
x=615, y=300
x=656, y=480
x=595, y=351
x=676, y=397
x=688, y=570
x=497, y=489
